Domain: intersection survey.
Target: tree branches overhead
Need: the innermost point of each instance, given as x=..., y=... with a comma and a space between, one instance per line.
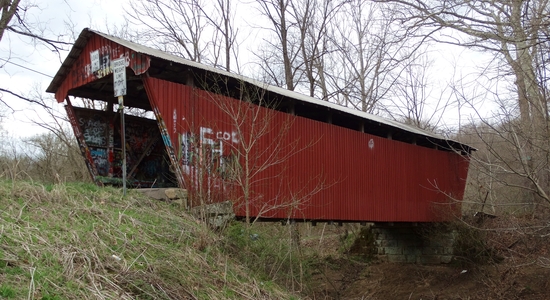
x=201, y=31
x=7, y=11
x=345, y=51
x=13, y=18
x=517, y=32
x=375, y=56
x=15, y=21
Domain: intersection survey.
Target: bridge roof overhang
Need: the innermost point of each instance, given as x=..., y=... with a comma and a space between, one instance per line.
x=77, y=78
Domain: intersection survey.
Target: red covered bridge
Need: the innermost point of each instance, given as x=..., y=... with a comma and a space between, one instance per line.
x=276, y=153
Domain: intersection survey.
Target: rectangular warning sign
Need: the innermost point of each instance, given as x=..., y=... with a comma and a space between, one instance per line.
x=119, y=76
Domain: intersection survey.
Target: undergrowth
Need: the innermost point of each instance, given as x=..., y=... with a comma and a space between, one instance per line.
x=80, y=241
x=271, y=251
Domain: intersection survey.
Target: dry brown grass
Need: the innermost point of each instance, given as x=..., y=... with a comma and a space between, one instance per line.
x=79, y=241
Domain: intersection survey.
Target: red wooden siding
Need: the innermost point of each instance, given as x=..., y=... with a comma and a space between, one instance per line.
x=80, y=72
x=358, y=176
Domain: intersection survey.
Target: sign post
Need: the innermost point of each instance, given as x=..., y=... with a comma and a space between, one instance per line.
x=119, y=87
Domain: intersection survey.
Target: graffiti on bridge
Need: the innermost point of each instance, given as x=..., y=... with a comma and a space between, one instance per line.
x=101, y=160
x=94, y=130
x=146, y=160
x=206, y=151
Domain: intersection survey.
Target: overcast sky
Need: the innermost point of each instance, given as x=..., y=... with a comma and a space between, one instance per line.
x=57, y=14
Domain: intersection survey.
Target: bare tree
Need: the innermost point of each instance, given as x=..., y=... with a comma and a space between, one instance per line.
x=515, y=33
x=197, y=30
x=53, y=160
x=281, y=52
x=56, y=155
x=174, y=26
x=371, y=52
x=14, y=20
x=51, y=157
x=297, y=41
x=513, y=30
x=253, y=123
x=7, y=11
x=37, y=32
x=506, y=162
x=413, y=96
x=313, y=19
x=224, y=41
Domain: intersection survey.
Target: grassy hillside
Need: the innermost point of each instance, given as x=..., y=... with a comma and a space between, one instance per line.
x=79, y=241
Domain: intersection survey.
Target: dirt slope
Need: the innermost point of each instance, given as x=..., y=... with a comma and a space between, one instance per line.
x=520, y=245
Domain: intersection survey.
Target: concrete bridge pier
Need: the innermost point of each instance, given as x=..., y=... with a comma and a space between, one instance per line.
x=423, y=243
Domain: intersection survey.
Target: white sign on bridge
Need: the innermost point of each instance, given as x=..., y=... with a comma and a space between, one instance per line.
x=94, y=58
x=119, y=76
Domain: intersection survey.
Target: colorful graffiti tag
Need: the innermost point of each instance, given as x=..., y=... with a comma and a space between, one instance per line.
x=146, y=158
x=101, y=160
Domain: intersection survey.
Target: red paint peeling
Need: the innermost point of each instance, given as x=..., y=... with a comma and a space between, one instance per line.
x=81, y=73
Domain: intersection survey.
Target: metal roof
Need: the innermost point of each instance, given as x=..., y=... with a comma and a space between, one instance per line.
x=87, y=33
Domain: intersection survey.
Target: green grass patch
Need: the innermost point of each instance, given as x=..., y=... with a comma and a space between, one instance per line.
x=80, y=241
x=6, y=292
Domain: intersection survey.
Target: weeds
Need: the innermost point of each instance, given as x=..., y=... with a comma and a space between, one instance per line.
x=80, y=241
x=270, y=251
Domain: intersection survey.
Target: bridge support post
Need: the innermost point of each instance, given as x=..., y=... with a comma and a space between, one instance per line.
x=423, y=243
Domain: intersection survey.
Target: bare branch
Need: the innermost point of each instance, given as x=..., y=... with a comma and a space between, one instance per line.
x=20, y=97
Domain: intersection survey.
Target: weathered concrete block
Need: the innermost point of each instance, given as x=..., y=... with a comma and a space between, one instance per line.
x=393, y=250
x=382, y=258
x=388, y=243
x=411, y=258
x=182, y=202
x=216, y=214
x=432, y=250
x=397, y=258
x=175, y=193
x=412, y=251
x=380, y=236
x=220, y=221
x=155, y=193
x=413, y=243
x=410, y=242
x=165, y=193
x=430, y=259
x=446, y=259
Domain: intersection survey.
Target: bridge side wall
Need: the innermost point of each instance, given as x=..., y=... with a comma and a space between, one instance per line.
x=305, y=169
